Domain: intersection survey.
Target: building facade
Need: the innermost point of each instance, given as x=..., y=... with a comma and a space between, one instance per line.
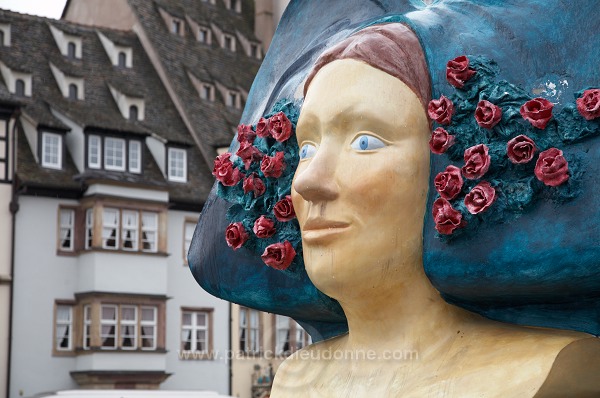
x=113, y=131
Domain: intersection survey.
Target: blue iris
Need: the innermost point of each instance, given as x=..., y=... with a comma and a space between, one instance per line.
x=307, y=151
x=367, y=143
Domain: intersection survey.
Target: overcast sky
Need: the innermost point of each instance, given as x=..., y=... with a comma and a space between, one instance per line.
x=45, y=8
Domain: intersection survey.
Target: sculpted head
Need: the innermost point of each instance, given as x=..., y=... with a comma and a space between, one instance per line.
x=360, y=189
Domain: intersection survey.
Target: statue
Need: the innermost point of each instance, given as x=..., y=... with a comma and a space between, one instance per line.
x=383, y=232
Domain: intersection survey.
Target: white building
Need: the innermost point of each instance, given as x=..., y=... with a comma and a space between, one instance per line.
x=113, y=141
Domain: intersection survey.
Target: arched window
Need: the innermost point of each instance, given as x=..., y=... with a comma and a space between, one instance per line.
x=73, y=91
x=122, y=59
x=20, y=87
x=133, y=113
x=71, y=50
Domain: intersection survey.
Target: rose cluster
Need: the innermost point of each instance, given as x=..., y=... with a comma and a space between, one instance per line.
x=257, y=181
x=501, y=134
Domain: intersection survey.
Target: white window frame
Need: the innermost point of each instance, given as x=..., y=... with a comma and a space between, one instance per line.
x=67, y=324
x=177, y=172
x=135, y=156
x=130, y=229
x=193, y=328
x=250, y=329
x=149, y=232
x=89, y=228
x=109, y=322
x=109, y=227
x=94, y=152
x=206, y=32
x=282, y=335
x=110, y=154
x=149, y=323
x=66, y=227
x=48, y=162
x=131, y=323
x=231, y=38
x=87, y=327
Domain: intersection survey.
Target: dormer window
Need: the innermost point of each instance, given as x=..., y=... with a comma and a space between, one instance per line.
x=122, y=59
x=207, y=92
x=4, y=34
x=120, y=56
x=71, y=50
x=126, y=104
x=204, y=35
x=228, y=42
x=254, y=50
x=71, y=87
x=133, y=113
x=177, y=164
x=20, y=87
x=233, y=99
x=73, y=92
x=112, y=153
x=51, y=150
x=235, y=5
x=69, y=45
x=176, y=26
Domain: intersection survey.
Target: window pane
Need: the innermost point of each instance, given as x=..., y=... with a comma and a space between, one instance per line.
x=51, y=150
x=110, y=228
x=130, y=230
x=109, y=313
x=148, y=314
x=64, y=323
x=66, y=230
x=94, y=152
x=114, y=153
x=135, y=156
x=89, y=227
x=149, y=231
x=187, y=318
x=177, y=164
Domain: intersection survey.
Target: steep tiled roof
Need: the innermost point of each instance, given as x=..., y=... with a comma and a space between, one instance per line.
x=33, y=49
x=213, y=123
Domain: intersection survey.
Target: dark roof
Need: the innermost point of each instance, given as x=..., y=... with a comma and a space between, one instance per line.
x=213, y=123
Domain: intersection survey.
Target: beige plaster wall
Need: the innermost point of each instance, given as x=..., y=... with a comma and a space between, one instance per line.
x=110, y=13
x=242, y=367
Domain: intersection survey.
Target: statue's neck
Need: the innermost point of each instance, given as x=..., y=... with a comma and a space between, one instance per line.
x=408, y=315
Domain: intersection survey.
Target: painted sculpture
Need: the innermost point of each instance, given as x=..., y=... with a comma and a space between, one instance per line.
x=444, y=187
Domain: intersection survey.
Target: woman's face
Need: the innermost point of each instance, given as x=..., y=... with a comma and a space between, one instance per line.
x=361, y=186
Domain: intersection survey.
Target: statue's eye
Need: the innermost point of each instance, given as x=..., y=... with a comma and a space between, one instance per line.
x=367, y=142
x=307, y=151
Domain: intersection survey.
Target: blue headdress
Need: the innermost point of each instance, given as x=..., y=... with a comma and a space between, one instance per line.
x=538, y=267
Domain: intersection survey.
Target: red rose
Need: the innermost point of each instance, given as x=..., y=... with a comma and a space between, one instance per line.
x=236, y=235
x=480, y=198
x=280, y=127
x=537, y=111
x=521, y=149
x=248, y=153
x=477, y=161
x=449, y=183
x=245, y=133
x=272, y=166
x=446, y=218
x=487, y=114
x=262, y=128
x=253, y=183
x=225, y=172
x=440, y=141
x=264, y=227
x=589, y=104
x=458, y=72
x=441, y=110
x=552, y=168
x=284, y=209
x=279, y=255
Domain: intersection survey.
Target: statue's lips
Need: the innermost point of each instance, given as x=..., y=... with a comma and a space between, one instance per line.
x=320, y=228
